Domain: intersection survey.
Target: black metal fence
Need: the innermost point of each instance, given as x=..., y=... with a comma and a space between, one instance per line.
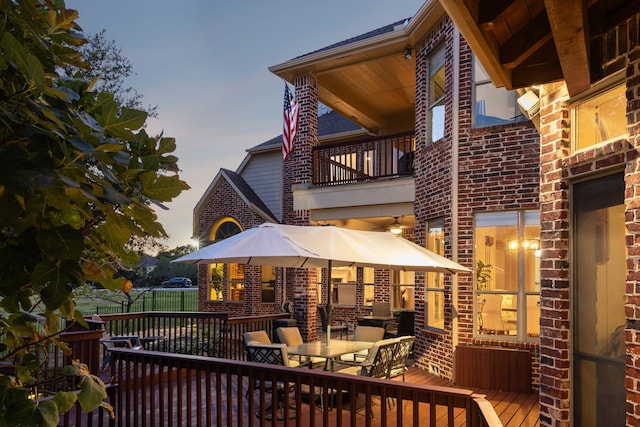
x=156, y=300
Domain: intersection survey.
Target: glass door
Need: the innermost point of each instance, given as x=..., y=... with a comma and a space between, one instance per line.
x=598, y=302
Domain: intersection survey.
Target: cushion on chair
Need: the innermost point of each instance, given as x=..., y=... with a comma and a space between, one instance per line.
x=257, y=336
x=290, y=335
x=368, y=333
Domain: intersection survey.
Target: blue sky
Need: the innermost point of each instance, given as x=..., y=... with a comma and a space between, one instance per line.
x=204, y=64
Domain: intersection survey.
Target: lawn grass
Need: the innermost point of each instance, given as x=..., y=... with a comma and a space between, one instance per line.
x=90, y=301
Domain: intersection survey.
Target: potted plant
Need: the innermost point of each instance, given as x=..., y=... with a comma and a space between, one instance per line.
x=483, y=275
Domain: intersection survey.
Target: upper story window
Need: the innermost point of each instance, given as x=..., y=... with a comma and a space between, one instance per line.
x=435, y=91
x=507, y=274
x=600, y=118
x=493, y=106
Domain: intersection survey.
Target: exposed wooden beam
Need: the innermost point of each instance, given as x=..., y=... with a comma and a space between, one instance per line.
x=464, y=15
x=567, y=19
x=532, y=37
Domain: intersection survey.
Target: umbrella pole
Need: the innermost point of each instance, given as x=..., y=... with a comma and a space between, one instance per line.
x=329, y=292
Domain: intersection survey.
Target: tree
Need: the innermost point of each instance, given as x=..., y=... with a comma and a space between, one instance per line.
x=111, y=69
x=78, y=177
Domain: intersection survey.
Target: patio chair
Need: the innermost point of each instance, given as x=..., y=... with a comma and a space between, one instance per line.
x=399, y=363
x=379, y=308
x=290, y=335
x=405, y=326
x=108, y=342
x=363, y=333
x=335, y=328
x=272, y=354
x=377, y=363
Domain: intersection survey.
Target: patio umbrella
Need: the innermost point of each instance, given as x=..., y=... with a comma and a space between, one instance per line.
x=295, y=246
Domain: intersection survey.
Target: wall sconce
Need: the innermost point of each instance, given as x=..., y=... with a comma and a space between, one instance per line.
x=406, y=54
x=395, y=227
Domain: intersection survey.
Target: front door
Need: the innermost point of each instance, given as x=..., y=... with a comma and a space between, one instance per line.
x=599, y=277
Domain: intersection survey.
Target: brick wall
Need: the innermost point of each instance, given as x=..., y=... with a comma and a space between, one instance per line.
x=498, y=170
x=225, y=202
x=297, y=169
x=632, y=178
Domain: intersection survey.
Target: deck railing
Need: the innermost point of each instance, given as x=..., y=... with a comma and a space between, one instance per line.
x=167, y=389
x=364, y=160
x=199, y=333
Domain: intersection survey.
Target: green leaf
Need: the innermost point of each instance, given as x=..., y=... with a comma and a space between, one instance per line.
x=117, y=232
x=159, y=187
x=65, y=400
x=46, y=411
x=61, y=243
x=92, y=393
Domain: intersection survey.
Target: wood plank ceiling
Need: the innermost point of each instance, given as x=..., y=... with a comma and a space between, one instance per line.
x=527, y=42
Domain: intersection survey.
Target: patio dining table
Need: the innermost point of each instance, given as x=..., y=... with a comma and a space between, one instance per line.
x=331, y=352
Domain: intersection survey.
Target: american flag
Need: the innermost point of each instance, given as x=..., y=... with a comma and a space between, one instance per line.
x=290, y=124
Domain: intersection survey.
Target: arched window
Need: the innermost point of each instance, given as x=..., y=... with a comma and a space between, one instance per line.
x=230, y=276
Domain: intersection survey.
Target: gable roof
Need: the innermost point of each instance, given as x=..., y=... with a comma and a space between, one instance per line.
x=240, y=186
x=373, y=33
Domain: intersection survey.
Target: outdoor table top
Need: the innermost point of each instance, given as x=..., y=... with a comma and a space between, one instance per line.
x=382, y=318
x=335, y=349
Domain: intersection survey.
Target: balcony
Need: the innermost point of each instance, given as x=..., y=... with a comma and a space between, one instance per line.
x=371, y=177
x=364, y=160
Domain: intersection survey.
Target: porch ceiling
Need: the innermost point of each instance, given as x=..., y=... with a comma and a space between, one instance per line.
x=527, y=42
x=369, y=80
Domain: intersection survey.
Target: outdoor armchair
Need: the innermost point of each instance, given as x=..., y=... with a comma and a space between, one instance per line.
x=399, y=362
x=363, y=333
x=272, y=354
x=290, y=335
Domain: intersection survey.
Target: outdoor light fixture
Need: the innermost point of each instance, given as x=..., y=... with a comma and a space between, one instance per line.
x=406, y=54
x=395, y=227
x=529, y=104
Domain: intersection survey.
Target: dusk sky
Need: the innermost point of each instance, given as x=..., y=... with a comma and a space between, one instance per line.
x=204, y=64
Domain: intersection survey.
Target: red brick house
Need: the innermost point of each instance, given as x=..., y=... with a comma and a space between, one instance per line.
x=579, y=63
x=441, y=151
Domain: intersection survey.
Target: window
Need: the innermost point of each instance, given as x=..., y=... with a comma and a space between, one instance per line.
x=434, y=292
x=236, y=282
x=435, y=96
x=507, y=274
x=600, y=118
x=343, y=280
x=368, y=277
x=233, y=276
x=216, y=282
x=402, y=290
x=268, y=283
x=493, y=106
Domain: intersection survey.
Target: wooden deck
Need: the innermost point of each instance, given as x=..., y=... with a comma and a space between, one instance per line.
x=514, y=409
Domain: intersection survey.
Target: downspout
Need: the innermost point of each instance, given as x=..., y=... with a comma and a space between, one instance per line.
x=455, y=133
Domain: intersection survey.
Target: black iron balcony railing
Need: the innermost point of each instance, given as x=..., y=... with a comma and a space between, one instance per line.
x=364, y=160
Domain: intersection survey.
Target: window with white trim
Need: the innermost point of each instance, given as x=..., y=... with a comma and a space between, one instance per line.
x=507, y=274
x=435, y=96
x=434, y=292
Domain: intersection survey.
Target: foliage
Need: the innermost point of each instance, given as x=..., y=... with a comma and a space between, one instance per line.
x=78, y=175
x=110, y=68
x=164, y=269
x=483, y=275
